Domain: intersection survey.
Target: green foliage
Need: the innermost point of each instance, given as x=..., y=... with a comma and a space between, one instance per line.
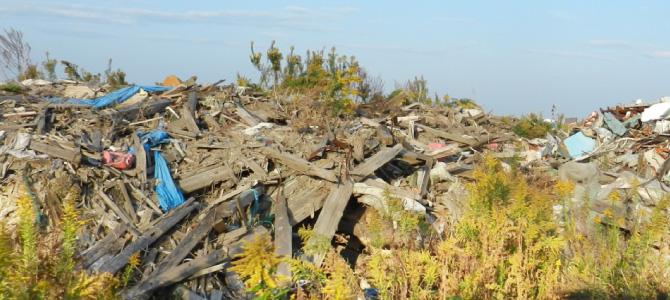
x=11, y=87
x=117, y=78
x=315, y=244
x=612, y=264
x=33, y=268
x=465, y=103
x=31, y=73
x=50, y=68
x=335, y=78
x=417, y=91
x=531, y=126
x=71, y=70
x=506, y=246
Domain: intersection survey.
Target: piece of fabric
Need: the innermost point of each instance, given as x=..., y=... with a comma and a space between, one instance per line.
x=115, y=97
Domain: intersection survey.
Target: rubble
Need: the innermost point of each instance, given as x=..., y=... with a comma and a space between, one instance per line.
x=183, y=172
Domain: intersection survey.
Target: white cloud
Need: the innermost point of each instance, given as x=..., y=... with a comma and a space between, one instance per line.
x=571, y=54
x=395, y=48
x=611, y=43
x=454, y=20
x=291, y=17
x=562, y=14
x=659, y=54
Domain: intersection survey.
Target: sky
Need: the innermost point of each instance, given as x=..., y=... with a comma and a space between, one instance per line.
x=511, y=57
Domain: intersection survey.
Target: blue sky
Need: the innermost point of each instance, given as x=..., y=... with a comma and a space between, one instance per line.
x=512, y=57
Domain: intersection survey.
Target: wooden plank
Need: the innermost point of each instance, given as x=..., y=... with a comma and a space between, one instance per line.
x=144, y=109
x=55, y=151
x=205, y=179
x=186, y=270
x=140, y=195
x=300, y=164
x=376, y=161
x=395, y=191
x=246, y=116
x=119, y=213
x=452, y=137
x=332, y=211
x=127, y=203
x=188, y=113
x=283, y=240
x=212, y=124
x=194, y=236
x=384, y=135
x=140, y=160
x=307, y=201
x=174, y=216
x=95, y=252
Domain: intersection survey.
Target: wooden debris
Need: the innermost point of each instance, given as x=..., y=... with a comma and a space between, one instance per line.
x=299, y=164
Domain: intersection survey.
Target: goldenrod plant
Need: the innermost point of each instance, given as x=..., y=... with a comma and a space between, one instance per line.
x=257, y=265
x=334, y=280
x=30, y=268
x=611, y=263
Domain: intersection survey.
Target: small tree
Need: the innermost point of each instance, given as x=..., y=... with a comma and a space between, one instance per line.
x=15, y=54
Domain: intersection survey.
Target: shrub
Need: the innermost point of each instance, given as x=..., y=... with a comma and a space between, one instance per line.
x=531, y=126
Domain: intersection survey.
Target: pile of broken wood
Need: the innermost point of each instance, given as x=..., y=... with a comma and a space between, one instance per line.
x=237, y=159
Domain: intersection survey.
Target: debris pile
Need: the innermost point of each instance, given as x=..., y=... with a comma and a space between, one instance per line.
x=183, y=173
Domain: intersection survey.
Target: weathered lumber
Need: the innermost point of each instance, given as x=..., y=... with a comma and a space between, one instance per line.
x=376, y=161
x=144, y=109
x=194, y=236
x=384, y=135
x=246, y=116
x=119, y=213
x=185, y=270
x=188, y=113
x=211, y=122
x=206, y=178
x=300, y=164
x=55, y=151
x=449, y=136
x=127, y=203
x=140, y=195
x=395, y=191
x=331, y=213
x=174, y=216
x=378, y=198
x=95, y=252
x=140, y=160
x=283, y=232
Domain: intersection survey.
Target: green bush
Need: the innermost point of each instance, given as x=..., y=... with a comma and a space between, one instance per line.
x=531, y=126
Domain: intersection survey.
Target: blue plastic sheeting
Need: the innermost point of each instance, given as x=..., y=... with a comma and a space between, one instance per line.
x=115, y=97
x=153, y=138
x=169, y=195
x=579, y=144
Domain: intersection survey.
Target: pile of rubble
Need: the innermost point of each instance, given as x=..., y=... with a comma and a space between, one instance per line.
x=185, y=173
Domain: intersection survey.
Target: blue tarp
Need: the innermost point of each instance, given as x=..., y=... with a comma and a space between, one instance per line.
x=115, y=97
x=579, y=144
x=169, y=195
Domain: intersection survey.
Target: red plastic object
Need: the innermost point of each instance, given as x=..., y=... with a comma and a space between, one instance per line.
x=118, y=160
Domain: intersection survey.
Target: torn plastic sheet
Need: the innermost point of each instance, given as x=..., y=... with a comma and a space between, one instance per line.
x=115, y=97
x=169, y=195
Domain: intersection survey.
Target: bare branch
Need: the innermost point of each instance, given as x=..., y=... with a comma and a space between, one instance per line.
x=14, y=53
